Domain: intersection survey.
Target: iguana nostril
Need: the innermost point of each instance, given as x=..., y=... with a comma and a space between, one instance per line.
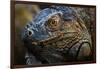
x=30, y=32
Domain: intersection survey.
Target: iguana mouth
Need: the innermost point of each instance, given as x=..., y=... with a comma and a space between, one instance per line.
x=49, y=40
x=59, y=36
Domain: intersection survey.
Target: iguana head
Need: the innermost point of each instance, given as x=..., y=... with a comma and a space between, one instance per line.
x=48, y=25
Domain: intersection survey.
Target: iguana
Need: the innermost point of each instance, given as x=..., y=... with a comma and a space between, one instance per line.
x=56, y=35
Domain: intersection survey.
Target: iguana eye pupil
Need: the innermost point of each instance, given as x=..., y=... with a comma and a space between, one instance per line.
x=53, y=22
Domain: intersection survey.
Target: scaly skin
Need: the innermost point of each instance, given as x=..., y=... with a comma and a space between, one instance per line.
x=58, y=36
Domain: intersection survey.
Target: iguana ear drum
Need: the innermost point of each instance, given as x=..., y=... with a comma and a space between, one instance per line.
x=54, y=23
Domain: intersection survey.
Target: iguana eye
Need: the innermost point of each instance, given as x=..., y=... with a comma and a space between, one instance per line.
x=54, y=23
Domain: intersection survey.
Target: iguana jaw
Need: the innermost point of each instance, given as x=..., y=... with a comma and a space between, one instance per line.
x=53, y=39
x=49, y=40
